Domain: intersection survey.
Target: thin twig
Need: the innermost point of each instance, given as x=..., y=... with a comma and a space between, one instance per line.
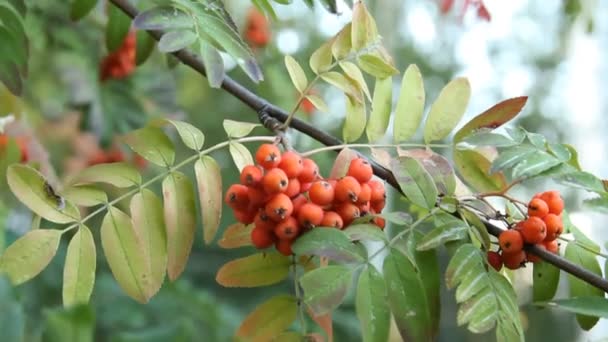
x=256, y=103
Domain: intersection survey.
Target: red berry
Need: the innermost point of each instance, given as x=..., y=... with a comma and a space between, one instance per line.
x=347, y=189
x=361, y=169
x=292, y=164
x=321, y=193
x=495, y=260
x=261, y=238
x=275, y=181
x=268, y=155
x=251, y=175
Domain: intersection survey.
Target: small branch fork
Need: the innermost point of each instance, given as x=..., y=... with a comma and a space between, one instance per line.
x=264, y=109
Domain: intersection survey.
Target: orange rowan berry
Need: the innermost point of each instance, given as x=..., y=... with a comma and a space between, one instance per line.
x=310, y=215
x=304, y=187
x=554, y=201
x=379, y=221
x=321, y=193
x=364, y=208
x=262, y=221
x=288, y=229
x=275, y=181
x=279, y=207
x=361, y=169
x=284, y=247
x=514, y=260
x=537, y=207
x=257, y=196
x=511, y=241
x=552, y=246
x=3, y=140
x=237, y=197
x=268, y=155
x=555, y=226
x=377, y=206
x=347, y=189
x=244, y=215
x=533, y=230
x=378, y=191
x=261, y=238
x=495, y=260
x=293, y=188
x=310, y=171
x=22, y=143
x=349, y=212
x=291, y=163
x=298, y=201
x=332, y=219
x=251, y=175
x=366, y=193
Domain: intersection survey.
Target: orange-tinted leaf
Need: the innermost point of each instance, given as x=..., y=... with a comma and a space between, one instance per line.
x=493, y=117
x=269, y=319
x=259, y=269
x=474, y=168
x=325, y=322
x=236, y=235
x=342, y=162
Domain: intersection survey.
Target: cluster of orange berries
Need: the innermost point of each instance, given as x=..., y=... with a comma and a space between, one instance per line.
x=542, y=228
x=284, y=196
x=120, y=63
x=21, y=143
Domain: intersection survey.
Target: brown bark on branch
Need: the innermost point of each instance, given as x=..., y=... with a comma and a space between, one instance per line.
x=263, y=107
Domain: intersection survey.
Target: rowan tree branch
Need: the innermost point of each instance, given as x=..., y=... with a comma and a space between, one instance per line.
x=263, y=107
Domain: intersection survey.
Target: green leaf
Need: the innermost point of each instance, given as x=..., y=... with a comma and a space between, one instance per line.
x=437, y=166
x=381, y=109
x=447, y=109
x=297, y=75
x=410, y=106
x=85, y=195
x=240, y=155
x=266, y=7
x=331, y=243
x=79, y=268
x=493, y=117
x=69, y=324
x=365, y=232
x=415, y=182
x=371, y=304
x=176, y=40
x=123, y=250
x=30, y=187
x=29, y=255
x=269, y=319
x=580, y=288
x=117, y=28
x=12, y=320
x=407, y=298
x=588, y=306
x=180, y=220
x=599, y=204
x=318, y=102
x=545, y=281
x=511, y=156
x=579, y=236
x=148, y=223
x=356, y=117
x=152, y=144
x=341, y=45
x=484, y=138
x=356, y=77
x=377, y=63
x=80, y=8
x=214, y=64
x=256, y=270
x=209, y=181
x=325, y=288
x=238, y=129
x=478, y=228
x=474, y=168
x=397, y=217
x=533, y=165
x=321, y=59
x=438, y=236
x=363, y=30
x=121, y=175
x=343, y=83
x=582, y=180
x=143, y=47
x=162, y=18
x=192, y=137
